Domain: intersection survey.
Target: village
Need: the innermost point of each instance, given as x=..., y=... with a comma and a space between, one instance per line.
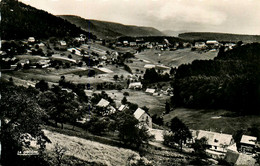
x=120, y=70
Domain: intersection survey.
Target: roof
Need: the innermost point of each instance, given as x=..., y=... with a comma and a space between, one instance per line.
x=148, y=90
x=63, y=43
x=103, y=103
x=248, y=140
x=212, y=42
x=214, y=138
x=121, y=107
x=149, y=66
x=135, y=84
x=138, y=113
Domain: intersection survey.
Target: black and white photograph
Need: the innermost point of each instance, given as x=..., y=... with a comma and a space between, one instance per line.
x=129, y=82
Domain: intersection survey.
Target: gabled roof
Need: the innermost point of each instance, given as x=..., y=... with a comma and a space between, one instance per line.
x=122, y=107
x=138, y=113
x=149, y=90
x=103, y=103
x=248, y=140
x=214, y=138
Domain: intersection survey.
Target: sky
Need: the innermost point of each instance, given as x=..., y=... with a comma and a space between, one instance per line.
x=229, y=16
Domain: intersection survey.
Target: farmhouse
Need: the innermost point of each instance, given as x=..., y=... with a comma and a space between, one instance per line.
x=248, y=144
x=143, y=118
x=107, y=108
x=103, y=103
x=149, y=90
x=200, y=45
x=212, y=42
x=31, y=39
x=216, y=141
x=123, y=107
x=132, y=44
x=135, y=85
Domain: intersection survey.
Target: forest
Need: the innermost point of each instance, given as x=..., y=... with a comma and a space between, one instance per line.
x=20, y=21
x=231, y=81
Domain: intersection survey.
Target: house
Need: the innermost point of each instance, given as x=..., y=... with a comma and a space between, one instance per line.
x=149, y=90
x=107, y=108
x=247, y=144
x=135, y=85
x=216, y=141
x=212, y=43
x=123, y=107
x=103, y=103
x=149, y=66
x=31, y=39
x=143, y=117
x=125, y=43
x=132, y=44
x=200, y=45
x=62, y=45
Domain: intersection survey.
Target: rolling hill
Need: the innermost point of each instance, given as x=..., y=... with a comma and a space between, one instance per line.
x=103, y=29
x=219, y=37
x=19, y=21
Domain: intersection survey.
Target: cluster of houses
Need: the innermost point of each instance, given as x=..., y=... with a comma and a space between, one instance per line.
x=212, y=45
x=220, y=145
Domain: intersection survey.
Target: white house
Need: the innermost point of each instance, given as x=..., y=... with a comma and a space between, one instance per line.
x=200, y=45
x=248, y=143
x=31, y=39
x=135, y=85
x=143, y=118
x=216, y=141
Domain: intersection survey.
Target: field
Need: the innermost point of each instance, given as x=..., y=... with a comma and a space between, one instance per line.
x=214, y=120
x=156, y=104
x=90, y=151
x=174, y=58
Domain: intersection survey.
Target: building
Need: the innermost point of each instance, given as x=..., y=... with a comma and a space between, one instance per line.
x=149, y=90
x=212, y=42
x=107, y=108
x=247, y=144
x=31, y=39
x=132, y=44
x=200, y=45
x=216, y=141
x=135, y=85
x=103, y=103
x=123, y=107
x=143, y=117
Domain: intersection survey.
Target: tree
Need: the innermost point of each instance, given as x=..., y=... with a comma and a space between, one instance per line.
x=179, y=133
x=115, y=77
x=200, y=146
x=129, y=132
x=21, y=114
x=167, y=107
x=124, y=100
x=42, y=85
x=126, y=94
x=60, y=152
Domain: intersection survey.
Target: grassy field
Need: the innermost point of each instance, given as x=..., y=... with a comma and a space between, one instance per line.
x=214, y=120
x=156, y=104
x=174, y=58
x=90, y=151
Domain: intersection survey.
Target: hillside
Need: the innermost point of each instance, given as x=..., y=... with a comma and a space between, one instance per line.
x=231, y=81
x=219, y=37
x=104, y=29
x=20, y=21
